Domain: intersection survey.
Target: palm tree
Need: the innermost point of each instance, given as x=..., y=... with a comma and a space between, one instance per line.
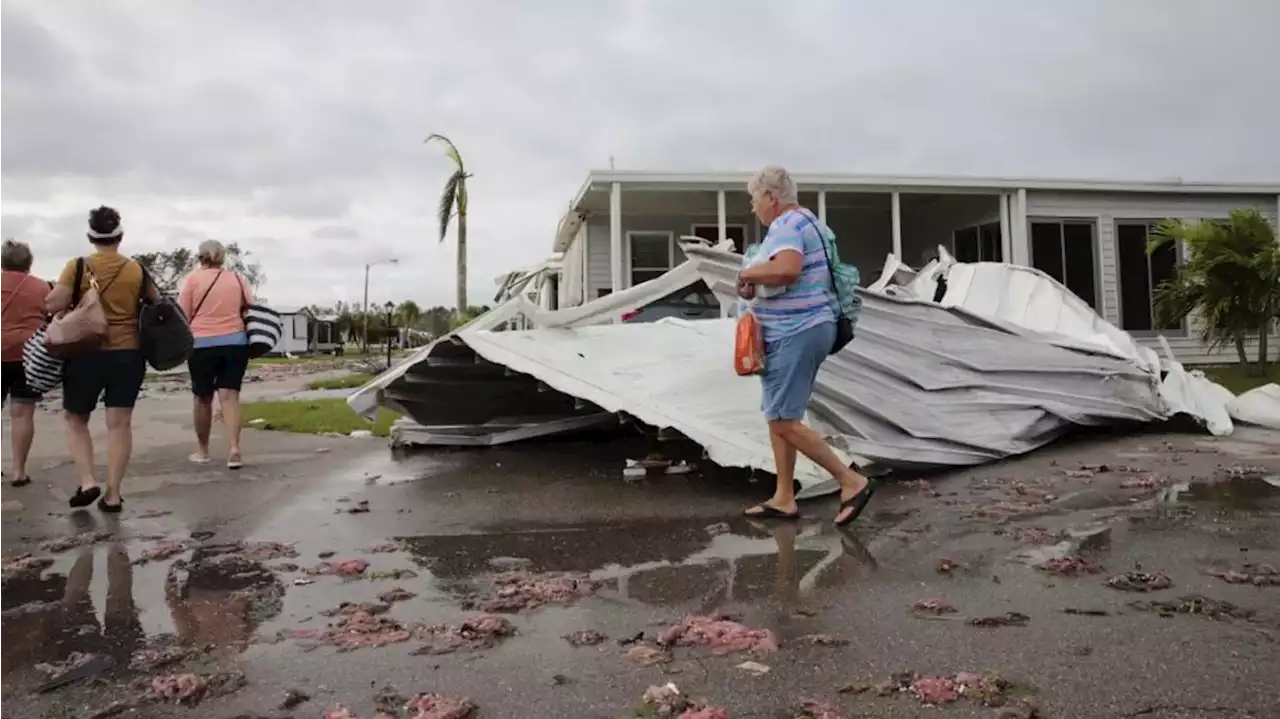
x=408, y=314
x=1231, y=279
x=453, y=200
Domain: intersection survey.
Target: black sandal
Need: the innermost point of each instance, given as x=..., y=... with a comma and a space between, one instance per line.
x=768, y=511
x=857, y=502
x=110, y=508
x=22, y=481
x=84, y=497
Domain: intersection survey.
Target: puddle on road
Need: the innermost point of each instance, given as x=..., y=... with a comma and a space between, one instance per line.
x=96, y=600
x=1246, y=491
x=654, y=562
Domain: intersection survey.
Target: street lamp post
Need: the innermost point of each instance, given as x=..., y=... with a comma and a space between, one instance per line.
x=390, y=308
x=364, y=341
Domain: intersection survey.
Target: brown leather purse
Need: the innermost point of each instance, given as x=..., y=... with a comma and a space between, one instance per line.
x=83, y=328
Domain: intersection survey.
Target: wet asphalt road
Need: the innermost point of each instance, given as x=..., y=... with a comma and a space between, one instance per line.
x=565, y=508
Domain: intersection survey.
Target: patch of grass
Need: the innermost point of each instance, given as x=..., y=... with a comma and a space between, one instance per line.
x=351, y=381
x=1241, y=378
x=301, y=359
x=315, y=417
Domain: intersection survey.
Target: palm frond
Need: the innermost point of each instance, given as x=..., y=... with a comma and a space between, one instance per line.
x=450, y=149
x=447, y=198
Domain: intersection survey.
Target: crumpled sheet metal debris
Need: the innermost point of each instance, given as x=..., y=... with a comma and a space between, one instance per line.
x=926, y=385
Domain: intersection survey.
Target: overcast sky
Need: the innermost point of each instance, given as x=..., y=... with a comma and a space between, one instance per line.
x=295, y=127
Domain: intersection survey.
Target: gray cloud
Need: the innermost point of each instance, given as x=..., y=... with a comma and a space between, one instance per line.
x=283, y=125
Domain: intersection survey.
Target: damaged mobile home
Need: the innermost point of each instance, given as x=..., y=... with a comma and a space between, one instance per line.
x=958, y=364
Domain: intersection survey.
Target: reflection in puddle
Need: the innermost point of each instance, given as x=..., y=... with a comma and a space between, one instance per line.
x=1239, y=492
x=659, y=562
x=216, y=598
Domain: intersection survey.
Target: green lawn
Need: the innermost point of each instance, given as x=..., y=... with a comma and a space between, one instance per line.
x=351, y=381
x=315, y=417
x=1240, y=379
x=297, y=360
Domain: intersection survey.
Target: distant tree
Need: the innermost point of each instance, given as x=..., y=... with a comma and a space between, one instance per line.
x=453, y=201
x=1231, y=279
x=169, y=267
x=408, y=313
x=438, y=320
x=471, y=313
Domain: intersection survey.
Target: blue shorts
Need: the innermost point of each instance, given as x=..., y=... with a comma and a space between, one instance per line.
x=790, y=369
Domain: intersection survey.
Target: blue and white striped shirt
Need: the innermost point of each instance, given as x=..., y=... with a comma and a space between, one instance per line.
x=808, y=301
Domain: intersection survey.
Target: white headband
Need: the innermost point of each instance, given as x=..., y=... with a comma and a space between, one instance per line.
x=106, y=235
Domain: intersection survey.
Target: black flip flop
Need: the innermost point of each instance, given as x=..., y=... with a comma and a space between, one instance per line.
x=84, y=497
x=22, y=481
x=769, y=512
x=110, y=508
x=858, y=502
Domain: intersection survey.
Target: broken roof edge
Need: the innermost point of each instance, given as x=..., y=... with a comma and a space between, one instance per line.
x=366, y=400
x=810, y=181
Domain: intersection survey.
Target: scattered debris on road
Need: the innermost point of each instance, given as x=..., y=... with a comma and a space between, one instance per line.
x=1195, y=604
x=645, y=655
x=191, y=689
x=1008, y=619
x=294, y=697
x=438, y=706
x=814, y=709
x=947, y=565
x=1069, y=566
x=340, y=567
x=721, y=635
x=1259, y=575
x=933, y=606
x=988, y=688
x=83, y=539
x=1031, y=535
x=518, y=591
x=585, y=638
x=824, y=640
x=479, y=632
x=755, y=668
x=1139, y=582
x=162, y=551
x=1087, y=612
x=396, y=594
x=25, y=566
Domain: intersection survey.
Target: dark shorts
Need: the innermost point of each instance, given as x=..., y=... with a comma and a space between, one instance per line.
x=215, y=368
x=15, y=384
x=114, y=376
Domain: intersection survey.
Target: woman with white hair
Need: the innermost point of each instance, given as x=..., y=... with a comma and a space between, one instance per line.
x=23, y=314
x=214, y=299
x=790, y=286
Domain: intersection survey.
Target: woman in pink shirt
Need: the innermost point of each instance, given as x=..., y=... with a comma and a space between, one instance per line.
x=213, y=299
x=23, y=310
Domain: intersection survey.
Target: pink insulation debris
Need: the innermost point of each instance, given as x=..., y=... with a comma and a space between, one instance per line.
x=518, y=591
x=337, y=711
x=479, y=632
x=437, y=706
x=161, y=551
x=721, y=635
x=934, y=690
x=1069, y=566
x=340, y=567
x=362, y=629
x=83, y=539
x=267, y=551
x=189, y=689
x=933, y=606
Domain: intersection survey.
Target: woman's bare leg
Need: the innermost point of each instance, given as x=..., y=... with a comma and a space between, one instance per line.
x=119, y=448
x=229, y=400
x=812, y=445
x=80, y=444
x=202, y=419
x=22, y=433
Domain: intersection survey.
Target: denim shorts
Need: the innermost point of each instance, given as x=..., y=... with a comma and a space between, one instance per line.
x=790, y=369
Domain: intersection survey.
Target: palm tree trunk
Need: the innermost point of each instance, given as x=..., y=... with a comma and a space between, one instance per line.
x=462, y=263
x=1240, y=353
x=1262, y=347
